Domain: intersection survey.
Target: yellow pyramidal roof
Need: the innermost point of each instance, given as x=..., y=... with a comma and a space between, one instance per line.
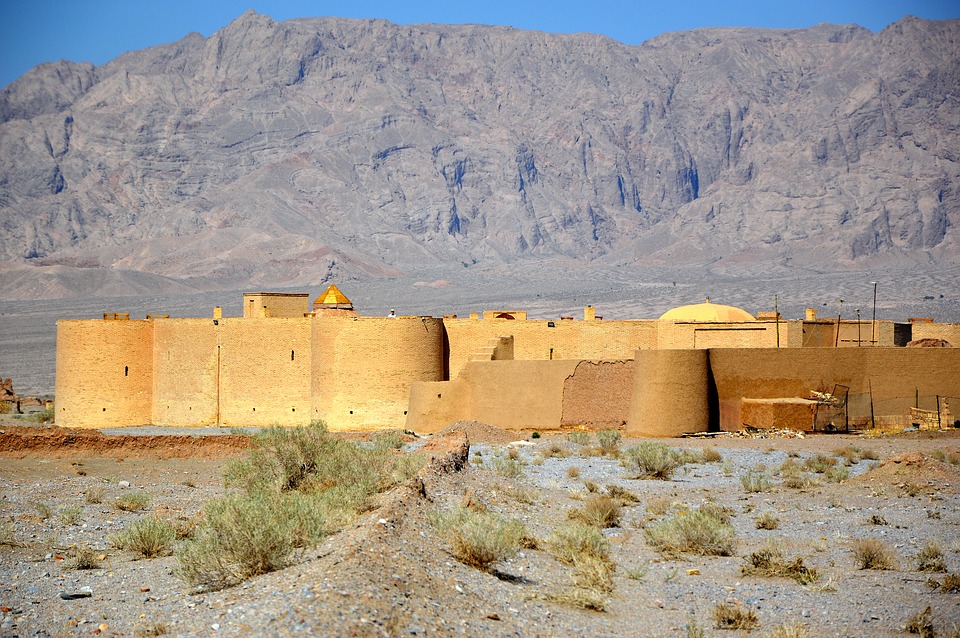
x=332, y=297
x=707, y=312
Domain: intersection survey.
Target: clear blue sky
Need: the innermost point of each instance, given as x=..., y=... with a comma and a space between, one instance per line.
x=35, y=31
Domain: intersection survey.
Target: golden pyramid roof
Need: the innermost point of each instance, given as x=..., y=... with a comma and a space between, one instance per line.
x=332, y=298
x=707, y=312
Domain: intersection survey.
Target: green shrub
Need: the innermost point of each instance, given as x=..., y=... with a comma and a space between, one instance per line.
x=148, y=537
x=695, y=532
x=837, y=474
x=44, y=511
x=507, y=467
x=820, y=463
x=651, y=460
x=609, y=441
x=571, y=542
x=579, y=438
x=93, y=495
x=479, y=539
x=754, y=481
x=70, y=515
x=132, y=501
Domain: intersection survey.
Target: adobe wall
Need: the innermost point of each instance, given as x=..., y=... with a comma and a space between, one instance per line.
x=513, y=395
x=185, y=368
x=760, y=334
x=671, y=393
x=260, y=305
x=364, y=367
x=534, y=339
x=104, y=375
x=948, y=331
x=894, y=375
x=265, y=371
x=597, y=395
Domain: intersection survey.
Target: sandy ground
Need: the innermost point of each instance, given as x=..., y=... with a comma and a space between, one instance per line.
x=392, y=574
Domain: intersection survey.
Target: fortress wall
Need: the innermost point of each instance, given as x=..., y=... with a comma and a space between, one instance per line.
x=533, y=339
x=363, y=368
x=527, y=395
x=104, y=373
x=947, y=331
x=670, y=393
x=265, y=370
x=185, y=363
x=894, y=374
x=597, y=396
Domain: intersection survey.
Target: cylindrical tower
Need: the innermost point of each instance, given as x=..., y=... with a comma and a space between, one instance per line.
x=104, y=373
x=670, y=393
x=363, y=368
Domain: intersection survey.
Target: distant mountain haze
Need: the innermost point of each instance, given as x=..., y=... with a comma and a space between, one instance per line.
x=288, y=154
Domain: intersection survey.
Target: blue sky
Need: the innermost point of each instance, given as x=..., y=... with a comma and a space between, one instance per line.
x=35, y=31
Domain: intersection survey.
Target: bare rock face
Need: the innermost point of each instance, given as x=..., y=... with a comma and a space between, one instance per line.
x=289, y=153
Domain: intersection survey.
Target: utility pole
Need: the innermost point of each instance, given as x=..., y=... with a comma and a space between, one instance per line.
x=873, y=324
x=858, y=327
x=839, y=312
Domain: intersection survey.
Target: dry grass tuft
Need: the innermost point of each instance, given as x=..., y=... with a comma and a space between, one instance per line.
x=573, y=471
x=587, y=550
x=149, y=537
x=598, y=510
x=622, y=494
x=950, y=584
x=696, y=532
x=609, y=442
x=768, y=520
x=132, y=502
x=870, y=553
x=579, y=438
x=84, y=558
x=772, y=562
x=790, y=631
x=755, y=481
x=876, y=519
x=651, y=461
x=479, y=539
x=930, y=559
x=921, y=624
x=731, y=617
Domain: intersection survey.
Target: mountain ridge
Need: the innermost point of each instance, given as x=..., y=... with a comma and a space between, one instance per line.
x=282, y=154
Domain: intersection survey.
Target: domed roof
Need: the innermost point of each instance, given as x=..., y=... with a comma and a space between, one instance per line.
x=707, y=312
x=332, y=298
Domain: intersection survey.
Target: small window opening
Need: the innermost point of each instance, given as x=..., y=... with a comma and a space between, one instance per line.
x=126, y=371
x=292, y=355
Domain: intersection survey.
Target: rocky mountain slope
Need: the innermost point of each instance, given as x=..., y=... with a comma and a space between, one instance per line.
x=282, y=154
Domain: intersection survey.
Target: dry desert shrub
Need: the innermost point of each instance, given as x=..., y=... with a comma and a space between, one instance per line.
x=876, y=519
x=622, y=494
x=554, y=450
x=930, y=558
x=658, y=507
x=950, y=584
x=132, y=502
x=722, y=513
x=651, y=461
x=795, y=476
x=770, y=561
x=573, y=471
x=820, y=463
x=158, y=628
x=479, y=539
x=598, y=510
x=148, y=537
x=768, y=520
x=870, y=553
x=711, y=455
x=579, y=438
x=507, y=467
x=837, y=474
x=70, y=515
x=44, y=511
x=297, y=486
x=93, y=496
x=921, y=624
x=755, y=481
x=731, y=617
x=790, y=631
x=84, y=558
x=587, y=550
x=696, y=532
x=609, y=442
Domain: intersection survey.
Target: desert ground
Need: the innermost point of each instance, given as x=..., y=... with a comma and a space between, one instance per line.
x=393, y=572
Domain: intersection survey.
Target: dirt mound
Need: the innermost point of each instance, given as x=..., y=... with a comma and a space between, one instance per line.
x=929, y=343
x=479, y=432
x=55, y=442
x=913, y=473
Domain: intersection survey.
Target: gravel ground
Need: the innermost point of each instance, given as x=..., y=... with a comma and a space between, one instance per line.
x=391, y=574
